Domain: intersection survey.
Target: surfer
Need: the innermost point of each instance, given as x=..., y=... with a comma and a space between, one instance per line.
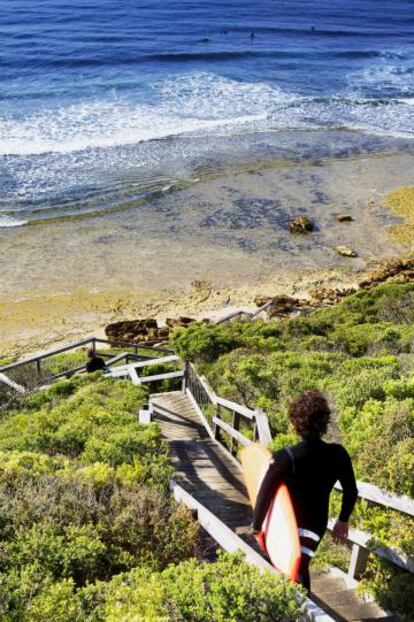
x=310, y=470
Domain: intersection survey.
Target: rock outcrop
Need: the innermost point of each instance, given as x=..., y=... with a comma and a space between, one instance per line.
x=144, y=331
x=137, y=331
x=173, y=322
x=399, y=270
x=301, y=224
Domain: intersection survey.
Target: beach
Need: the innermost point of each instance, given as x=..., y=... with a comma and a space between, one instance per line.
x=153, y=156
x=219, y=243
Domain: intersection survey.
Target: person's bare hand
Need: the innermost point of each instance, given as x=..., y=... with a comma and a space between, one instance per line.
x=340, y=532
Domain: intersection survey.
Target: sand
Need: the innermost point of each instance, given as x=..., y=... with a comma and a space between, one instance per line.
x=203, y=251
x=34, y=325
x=401, y=203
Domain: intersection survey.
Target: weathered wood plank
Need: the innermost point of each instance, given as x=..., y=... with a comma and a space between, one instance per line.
x=13, y=385
x=231, y=542
x=364, y=540
x=123, y=370
x=243, y=410
x=401, y=503
x=166, y=376
x=232, y=432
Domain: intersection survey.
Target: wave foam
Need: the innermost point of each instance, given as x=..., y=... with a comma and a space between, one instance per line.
x=207, y=103
x=202, y=102
x=8, y=221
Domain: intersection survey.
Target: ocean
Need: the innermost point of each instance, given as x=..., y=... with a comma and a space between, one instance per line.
x=108, y=103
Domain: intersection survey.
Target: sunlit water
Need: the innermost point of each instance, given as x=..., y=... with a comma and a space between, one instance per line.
x=105, y=104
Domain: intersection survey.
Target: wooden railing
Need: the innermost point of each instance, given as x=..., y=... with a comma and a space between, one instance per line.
x=36, y=363
x=205, y=399
x=362, y=543
x=242, y=427
x=130, y=370
x=241, y=315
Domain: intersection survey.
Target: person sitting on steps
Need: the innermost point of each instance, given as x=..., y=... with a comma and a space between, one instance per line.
x=95, y=363
x=310, y=470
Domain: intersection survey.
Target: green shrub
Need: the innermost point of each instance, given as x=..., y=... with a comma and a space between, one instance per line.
x=201, y=343
x=228, y=591
x=391, y=587
x=57, y=602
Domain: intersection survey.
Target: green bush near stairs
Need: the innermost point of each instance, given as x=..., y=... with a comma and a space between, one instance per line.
x=225, y=591
x=89, y=531
x=361, y=353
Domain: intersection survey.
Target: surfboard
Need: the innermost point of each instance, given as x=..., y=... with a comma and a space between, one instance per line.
x=280, y=530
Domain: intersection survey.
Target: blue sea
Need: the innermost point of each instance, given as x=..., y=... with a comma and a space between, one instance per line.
x=103, y=102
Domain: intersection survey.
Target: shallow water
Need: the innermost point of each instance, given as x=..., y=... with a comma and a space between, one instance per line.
x=104, y=103
x=229, y=226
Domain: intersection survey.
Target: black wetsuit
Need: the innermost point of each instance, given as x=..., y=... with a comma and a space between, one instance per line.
x=310, y=470
x=95, y=364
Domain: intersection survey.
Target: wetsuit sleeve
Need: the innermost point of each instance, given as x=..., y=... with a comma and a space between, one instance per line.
x=279, y=468
x=349, y=487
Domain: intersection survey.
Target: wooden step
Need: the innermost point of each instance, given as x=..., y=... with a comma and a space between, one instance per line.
x=208, y=473
x=364, y=611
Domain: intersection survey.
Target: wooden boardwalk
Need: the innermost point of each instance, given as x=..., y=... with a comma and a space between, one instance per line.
x=212, y=477
x=201, y=466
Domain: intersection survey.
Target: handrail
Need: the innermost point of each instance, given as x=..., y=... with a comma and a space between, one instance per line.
x=234, y=406
x=369, y=492
x=232, y=315
x=204, y=395
x=243, y=312
x=78, y=344
x=119, y=344
x=115, y=359
x=231, y=542
x=11, y=384
x=47, y=354
x=137, y=380
x=240, y=438
x=124, y=370
x=363, y=544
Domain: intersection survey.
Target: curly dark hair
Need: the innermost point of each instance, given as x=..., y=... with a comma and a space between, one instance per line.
x=310, y=414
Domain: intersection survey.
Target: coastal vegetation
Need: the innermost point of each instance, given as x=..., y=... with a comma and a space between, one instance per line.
x=360, y=352
x=89, y=529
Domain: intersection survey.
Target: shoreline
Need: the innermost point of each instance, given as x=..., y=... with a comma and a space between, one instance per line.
x=206, y=250
x=35, y=325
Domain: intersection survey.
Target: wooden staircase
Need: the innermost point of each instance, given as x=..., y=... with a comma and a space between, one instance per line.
x=214, y=478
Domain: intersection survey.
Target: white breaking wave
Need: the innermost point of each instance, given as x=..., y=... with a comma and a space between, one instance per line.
x=205, y=103
x=8, y=221
x=195, y=103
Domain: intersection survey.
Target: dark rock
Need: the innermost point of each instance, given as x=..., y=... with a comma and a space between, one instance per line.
x=344, y=218
x=301, y=224
x=283, y=305
x=180, y=321
x=323, y=296
x=133, y=331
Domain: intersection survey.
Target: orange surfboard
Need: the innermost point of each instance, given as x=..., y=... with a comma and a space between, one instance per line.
x=279, y=527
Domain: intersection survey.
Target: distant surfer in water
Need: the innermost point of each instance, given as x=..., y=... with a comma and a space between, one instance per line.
x=310, y=470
